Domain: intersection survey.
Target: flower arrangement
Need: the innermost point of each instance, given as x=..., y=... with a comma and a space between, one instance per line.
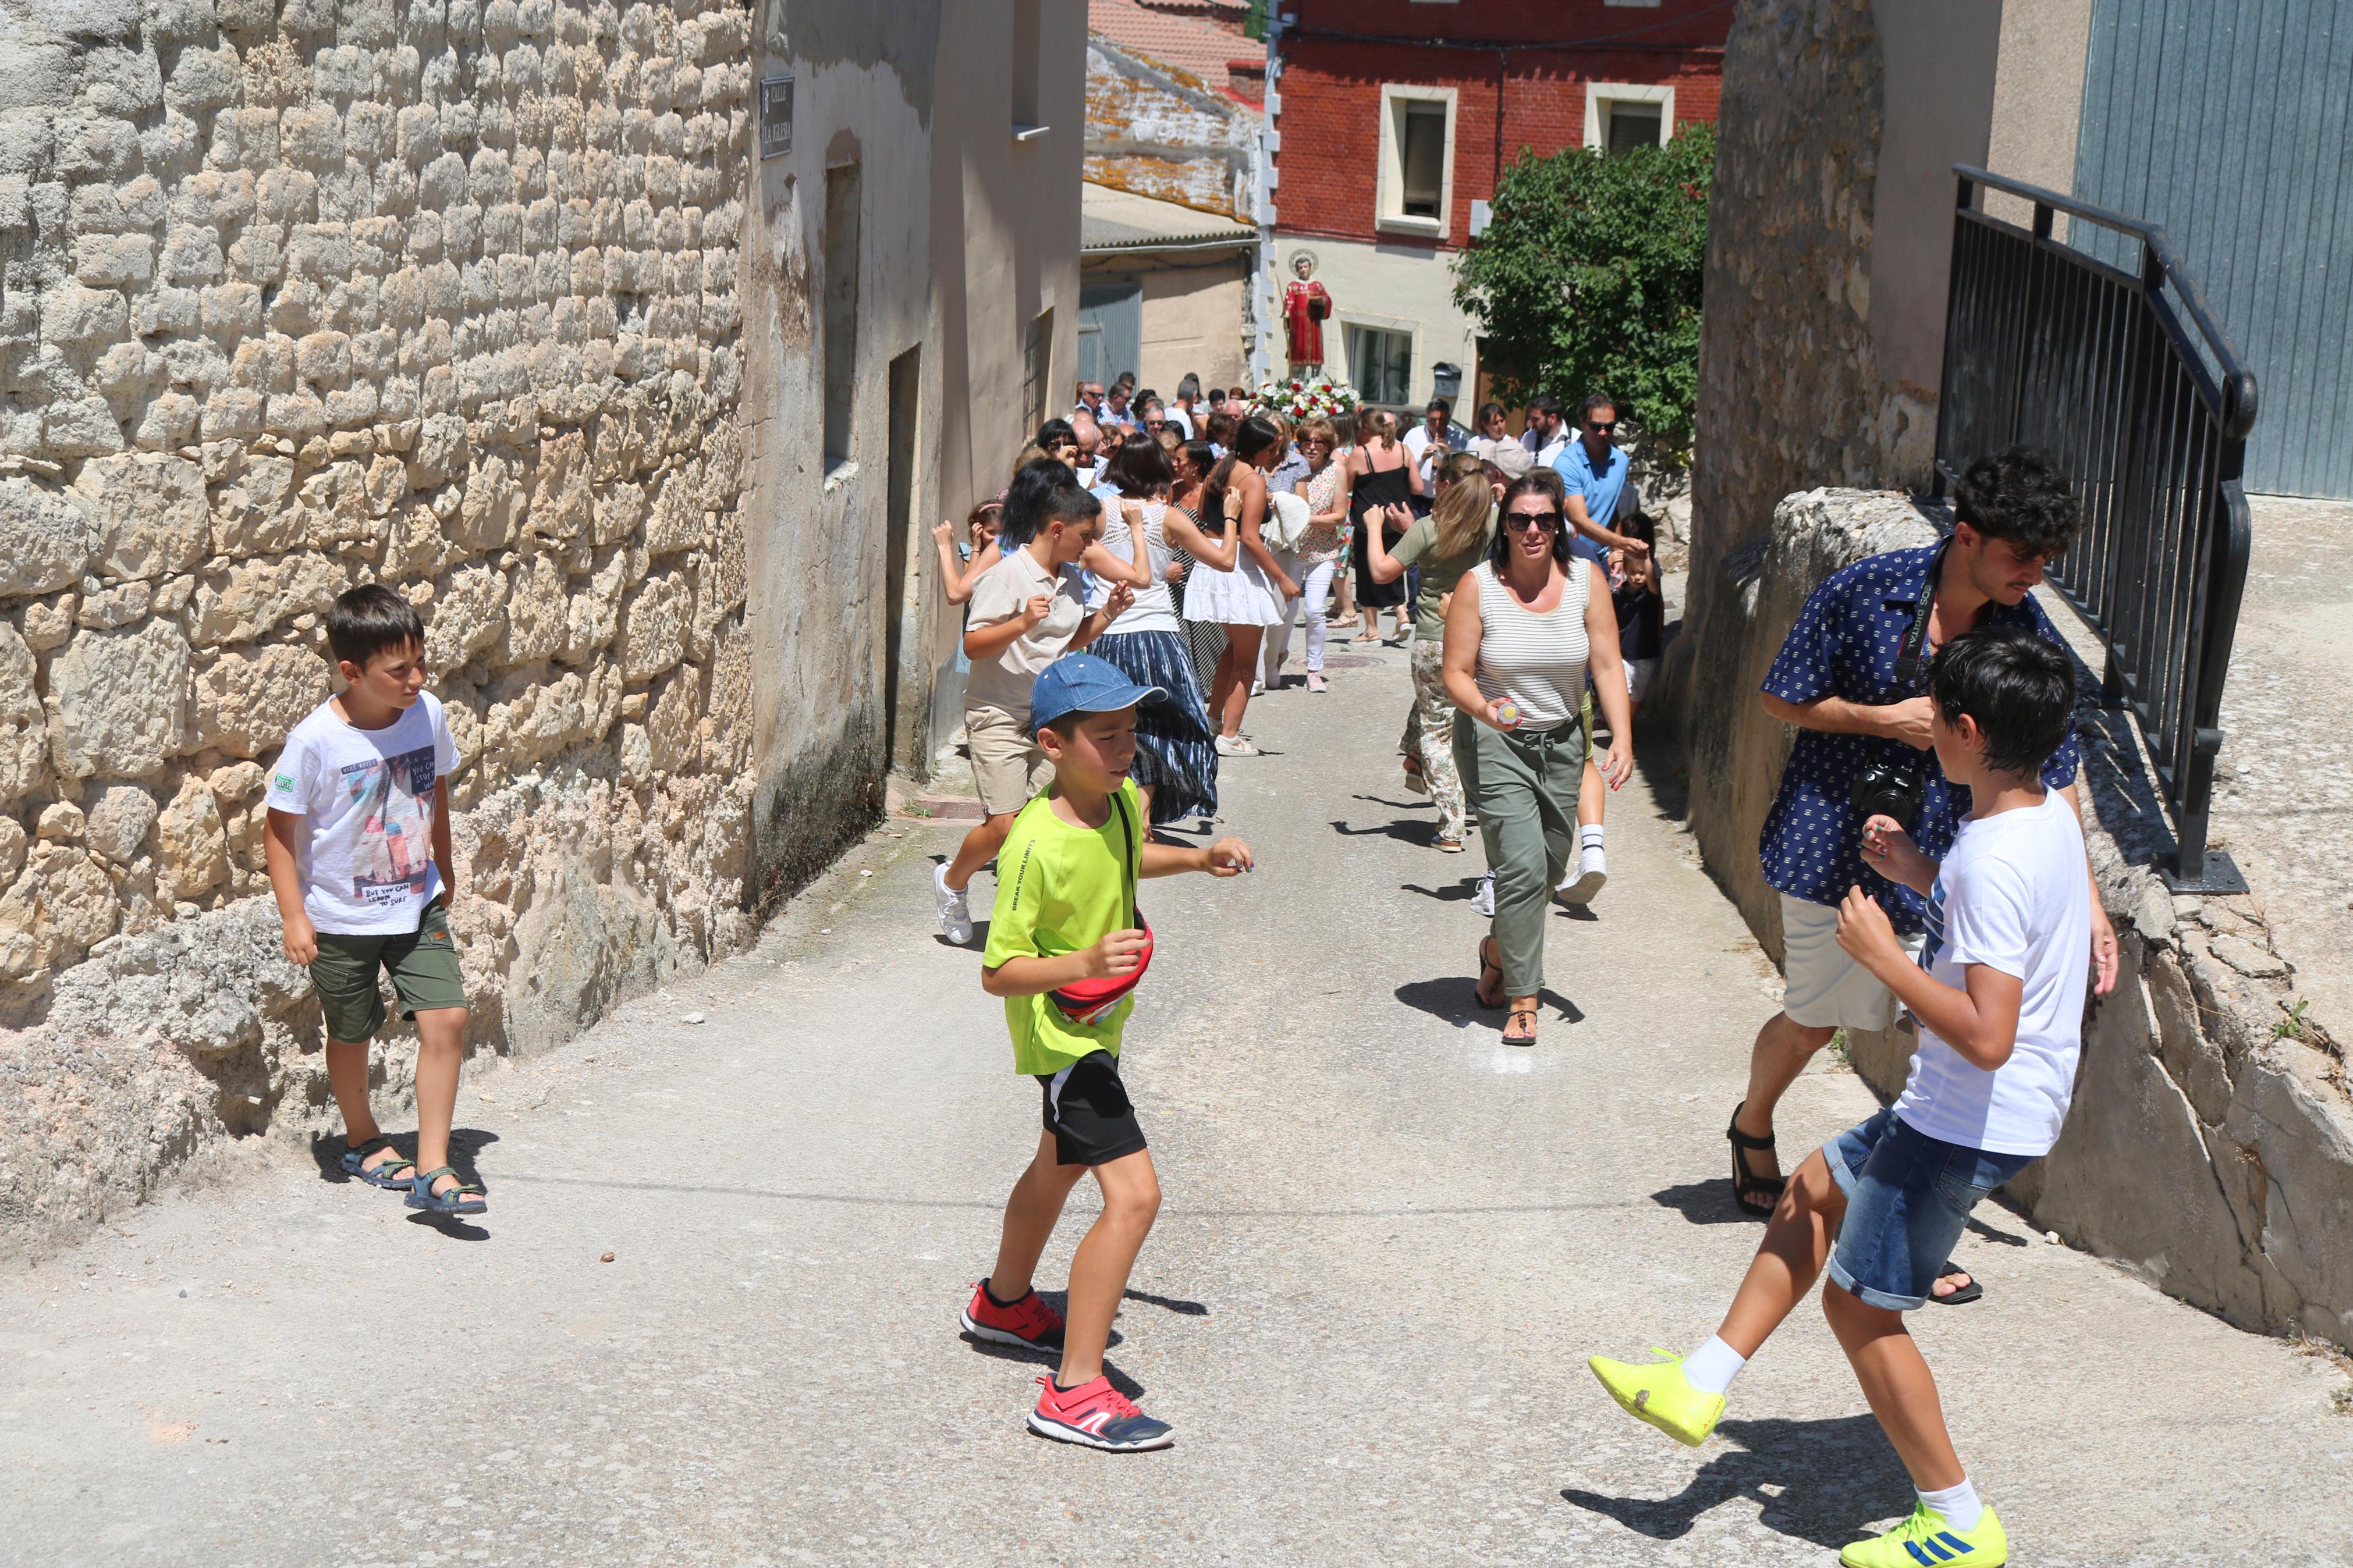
x=1298, y=399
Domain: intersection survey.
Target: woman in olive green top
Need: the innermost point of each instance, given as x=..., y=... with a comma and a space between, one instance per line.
x=1447, y=543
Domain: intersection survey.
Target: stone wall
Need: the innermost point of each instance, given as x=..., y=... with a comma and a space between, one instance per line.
x=441, y=294
x=2210, y=1144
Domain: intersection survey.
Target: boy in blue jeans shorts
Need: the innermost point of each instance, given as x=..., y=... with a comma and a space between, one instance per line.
x=1998, y=994
x=1066, y=947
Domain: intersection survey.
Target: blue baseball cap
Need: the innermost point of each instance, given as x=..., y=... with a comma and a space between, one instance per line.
x=1082, y=683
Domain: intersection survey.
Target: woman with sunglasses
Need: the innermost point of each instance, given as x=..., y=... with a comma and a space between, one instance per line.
x=1325, y=489
x=1523, y=633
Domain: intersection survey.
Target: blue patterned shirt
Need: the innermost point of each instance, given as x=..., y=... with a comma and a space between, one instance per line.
x=1845, y=645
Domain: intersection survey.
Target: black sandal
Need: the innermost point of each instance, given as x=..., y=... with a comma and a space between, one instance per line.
x=1972, y=1292
x=1515, y=1035
x=1746, y=1185
x=1479, y=992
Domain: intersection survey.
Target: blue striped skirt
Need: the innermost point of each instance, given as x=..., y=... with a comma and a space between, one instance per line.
x=1174, y=754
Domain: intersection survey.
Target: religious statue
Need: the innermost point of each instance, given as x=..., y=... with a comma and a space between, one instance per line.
x=1306, y=307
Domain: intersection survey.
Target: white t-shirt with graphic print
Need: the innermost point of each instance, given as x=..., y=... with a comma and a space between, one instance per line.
x=2012, y=894
x=366, y=857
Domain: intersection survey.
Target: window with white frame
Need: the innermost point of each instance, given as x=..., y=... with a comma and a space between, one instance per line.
x=1621, y=116
x=1416, y=187
x=1380, y=364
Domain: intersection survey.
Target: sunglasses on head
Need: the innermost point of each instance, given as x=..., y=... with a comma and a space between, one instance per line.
x=1521, y=521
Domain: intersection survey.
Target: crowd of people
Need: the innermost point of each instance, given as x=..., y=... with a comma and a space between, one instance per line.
x=1128, y=595
x=1925, y=837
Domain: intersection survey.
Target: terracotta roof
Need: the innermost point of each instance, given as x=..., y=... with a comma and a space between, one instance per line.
x=1112, y=219
x=1198, y=48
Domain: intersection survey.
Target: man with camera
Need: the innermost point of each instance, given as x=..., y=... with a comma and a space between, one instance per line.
x=1852, y=677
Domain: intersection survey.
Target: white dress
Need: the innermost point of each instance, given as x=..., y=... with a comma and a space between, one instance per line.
x=1244, y=596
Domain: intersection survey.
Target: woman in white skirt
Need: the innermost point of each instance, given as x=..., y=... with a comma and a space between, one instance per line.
x=1254, y=594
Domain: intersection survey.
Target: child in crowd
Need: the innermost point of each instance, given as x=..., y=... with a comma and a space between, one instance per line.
x=358, y=845
x=1066, y=948
x=1999, y=994
x=1026, y=611
x=962, y=566
x=1641, y=614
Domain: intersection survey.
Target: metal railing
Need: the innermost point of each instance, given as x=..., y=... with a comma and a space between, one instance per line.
x=2131, y=385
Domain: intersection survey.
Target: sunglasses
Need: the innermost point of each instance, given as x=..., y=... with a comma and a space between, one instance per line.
x=1521, y=521
x=1598, y=429
x=1315, y=441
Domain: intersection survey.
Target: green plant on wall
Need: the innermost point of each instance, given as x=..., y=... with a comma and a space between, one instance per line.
x=1587, y=278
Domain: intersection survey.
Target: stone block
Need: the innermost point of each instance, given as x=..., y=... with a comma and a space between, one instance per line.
x=192, y=847
x=118, y=700
x=537, y=612
x=247, y=699
x=653, y=626
x=674, y=718
x=110, y=608
x=254, y=511
x=13, y=844
x=593, y=605
x=44, y=537
x=119, y=816
x=252, y=597
x=60, y=903
x=23, y=732
x=148, y=513
x=468, y=615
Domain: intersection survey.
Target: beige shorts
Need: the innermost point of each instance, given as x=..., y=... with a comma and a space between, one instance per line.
x=1826, y=989
x=1007, y=766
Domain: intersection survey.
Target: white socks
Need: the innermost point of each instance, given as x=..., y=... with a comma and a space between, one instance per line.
x=1713, y=1366
x=1588, y=838
x=1958, y=1504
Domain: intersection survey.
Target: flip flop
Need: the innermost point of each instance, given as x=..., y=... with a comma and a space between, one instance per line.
x=1972, y=1292
x=395, y=1172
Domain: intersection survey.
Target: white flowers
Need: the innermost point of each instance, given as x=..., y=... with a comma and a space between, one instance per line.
x=1320, y=398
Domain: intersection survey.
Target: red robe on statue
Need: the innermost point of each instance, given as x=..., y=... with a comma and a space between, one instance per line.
x=1305, y=308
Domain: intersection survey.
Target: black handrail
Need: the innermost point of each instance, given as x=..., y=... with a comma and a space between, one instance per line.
x=2148, y=407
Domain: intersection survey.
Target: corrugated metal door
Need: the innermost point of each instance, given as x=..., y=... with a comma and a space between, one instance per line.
x=1111, y=331
x=2230, y=123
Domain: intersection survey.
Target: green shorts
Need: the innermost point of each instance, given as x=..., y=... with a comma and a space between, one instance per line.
x=423, y=964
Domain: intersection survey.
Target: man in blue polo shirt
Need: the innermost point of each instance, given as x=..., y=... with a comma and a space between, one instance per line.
x=1852, y=676
x=1593, y=469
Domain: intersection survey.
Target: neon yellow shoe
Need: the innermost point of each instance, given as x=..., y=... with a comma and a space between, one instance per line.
x=1658, y=1392
x=1924, y=1538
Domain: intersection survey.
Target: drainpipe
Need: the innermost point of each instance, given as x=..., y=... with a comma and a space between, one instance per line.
x=1264, y=312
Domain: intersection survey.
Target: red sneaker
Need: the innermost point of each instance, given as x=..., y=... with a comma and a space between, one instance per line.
x=1028, y=1322
x=1097, y=1415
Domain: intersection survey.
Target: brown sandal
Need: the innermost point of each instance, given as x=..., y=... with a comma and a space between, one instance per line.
x=1479, y=992
x=1514, y=1035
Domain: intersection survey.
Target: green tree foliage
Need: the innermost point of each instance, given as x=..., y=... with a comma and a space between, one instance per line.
x=1589, y=277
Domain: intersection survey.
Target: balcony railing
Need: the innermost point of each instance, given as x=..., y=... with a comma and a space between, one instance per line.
x=2131, y=385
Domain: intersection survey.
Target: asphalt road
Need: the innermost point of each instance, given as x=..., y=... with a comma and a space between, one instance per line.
x=1387, y=1244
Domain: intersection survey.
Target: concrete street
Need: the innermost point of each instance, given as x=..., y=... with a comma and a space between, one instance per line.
x=1387, y=1244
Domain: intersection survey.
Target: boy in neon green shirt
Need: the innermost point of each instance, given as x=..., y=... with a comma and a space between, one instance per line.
x=1066, y=945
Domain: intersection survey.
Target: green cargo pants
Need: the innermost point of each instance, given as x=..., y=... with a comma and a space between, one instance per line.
x=1522, y=788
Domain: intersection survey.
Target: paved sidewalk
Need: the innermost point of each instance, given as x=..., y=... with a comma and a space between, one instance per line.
x=1387, y=1245
x=2284, y=783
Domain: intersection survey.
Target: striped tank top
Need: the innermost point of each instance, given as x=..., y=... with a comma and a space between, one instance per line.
x=1536, y=660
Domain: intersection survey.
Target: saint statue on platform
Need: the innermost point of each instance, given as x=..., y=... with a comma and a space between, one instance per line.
x=1306, y=308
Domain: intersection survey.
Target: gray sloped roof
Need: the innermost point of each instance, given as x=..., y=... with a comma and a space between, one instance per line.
x=1113, y=219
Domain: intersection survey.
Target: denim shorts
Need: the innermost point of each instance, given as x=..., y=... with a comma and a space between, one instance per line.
x=1908, y=1195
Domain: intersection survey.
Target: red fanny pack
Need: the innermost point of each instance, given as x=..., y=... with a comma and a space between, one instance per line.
x=1090, y=1002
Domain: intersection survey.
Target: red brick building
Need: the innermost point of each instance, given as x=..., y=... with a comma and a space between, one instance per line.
x=1393, y=119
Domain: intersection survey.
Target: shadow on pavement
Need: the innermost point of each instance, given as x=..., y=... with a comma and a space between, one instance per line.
x=1704, y=1203
x=1181, y=1308
x=1461, y=893
x=1452, y=1000
x=466, y=1145
x=1831, y=1480
x=1422, y=834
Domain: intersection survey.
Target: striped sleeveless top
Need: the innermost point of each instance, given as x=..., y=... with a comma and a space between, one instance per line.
x=1536, y=660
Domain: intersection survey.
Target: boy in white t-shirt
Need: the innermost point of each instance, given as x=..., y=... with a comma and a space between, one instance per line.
x=358, y=845
x=1999, y=994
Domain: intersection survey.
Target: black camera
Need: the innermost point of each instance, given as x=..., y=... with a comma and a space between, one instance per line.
x=1887, y=789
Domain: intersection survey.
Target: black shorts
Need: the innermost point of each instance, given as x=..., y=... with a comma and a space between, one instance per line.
x=1088, y=1111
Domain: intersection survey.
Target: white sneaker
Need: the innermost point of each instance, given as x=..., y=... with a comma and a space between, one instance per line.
x=1482, y=902
x=1592, y=871
x=1258, y=689
x=1236, y=746
x=955, y=908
